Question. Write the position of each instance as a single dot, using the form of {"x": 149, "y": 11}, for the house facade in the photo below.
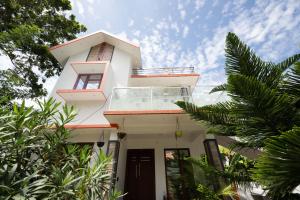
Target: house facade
{"x": 128, "y": 111}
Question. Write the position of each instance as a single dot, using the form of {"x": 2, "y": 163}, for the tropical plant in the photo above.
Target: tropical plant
{"x": 278, "y": 167}
{"x": 264, "y": 96}
{"x": 27, "y": 29}
{"x": 264, "y": 103}
{"x": 236, "y": 171}
{"x": 37, "y": 162}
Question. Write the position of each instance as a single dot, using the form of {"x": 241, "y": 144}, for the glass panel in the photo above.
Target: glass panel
{"x": 131, "y": 99}
{"x": 81, "y": 81}
{"x": 92, "y": 84}
{"x": 95, "y": 77}
{"x": 177, "y": 174}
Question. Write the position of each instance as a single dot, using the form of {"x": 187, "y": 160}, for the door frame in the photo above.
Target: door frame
{"x": 126, "y": 173}
{"x": 165, "y": 163}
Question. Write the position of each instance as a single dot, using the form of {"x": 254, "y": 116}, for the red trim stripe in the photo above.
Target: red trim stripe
{"x": 99, "y": 32}
{"x": 81, "y": 126}
{"x": 144, "y": 112}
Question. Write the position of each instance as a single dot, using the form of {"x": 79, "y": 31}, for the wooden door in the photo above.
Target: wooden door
{"x": 140, "y": 175}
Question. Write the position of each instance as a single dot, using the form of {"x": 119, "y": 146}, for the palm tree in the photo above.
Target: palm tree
{"x": 278, "y": 167}
{"x": 264, "y": 99}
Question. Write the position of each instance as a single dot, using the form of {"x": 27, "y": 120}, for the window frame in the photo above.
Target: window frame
{"x": 87, "y": 80}
{"x": 180, "y": 165}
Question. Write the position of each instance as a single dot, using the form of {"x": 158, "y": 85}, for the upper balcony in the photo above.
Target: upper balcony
{"x": 88, "y": 82}
{"x": 148, "y": 98}
{"x": 167, "y": 76}
{"x": 149, "y": 109}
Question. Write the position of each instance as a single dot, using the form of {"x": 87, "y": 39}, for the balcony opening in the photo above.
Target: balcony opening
{"x": 88, "y": 81}
{"x": 101, "y": 52}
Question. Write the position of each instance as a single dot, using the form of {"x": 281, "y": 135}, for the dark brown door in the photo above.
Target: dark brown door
{"x": 140, "y": 175}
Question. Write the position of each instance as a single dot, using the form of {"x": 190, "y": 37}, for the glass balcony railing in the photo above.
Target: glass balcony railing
{"x": 148, "y": 98}
{"x": 164, "y": 70}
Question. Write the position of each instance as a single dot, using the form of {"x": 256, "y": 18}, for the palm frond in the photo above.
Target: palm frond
{"x": 215, "y": 114}
{"x": 278, "y": 166}
{"x": 284, "y": 65}
{"x": 292, "y": 83}
{"x": 240, "y": 59}
{"x": 219, "y": 88}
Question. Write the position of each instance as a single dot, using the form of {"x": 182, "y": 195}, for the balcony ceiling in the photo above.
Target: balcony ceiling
{"x": 168, "y": 80}
{"x": 149, "y": 122}
{"x": 70, "y": 95}
{"x": 89, "y": 67}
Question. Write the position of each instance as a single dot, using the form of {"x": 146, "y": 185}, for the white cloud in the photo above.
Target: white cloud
{"x": 182, "y": 14}
{"x": 175, "y": 27}
{"x": 80, "y": 7}
{"x": 131, "y": 23}
{"x": 185, "y": 31}
{"x": 199, "y": 4}
{"x": 5, "y": 62}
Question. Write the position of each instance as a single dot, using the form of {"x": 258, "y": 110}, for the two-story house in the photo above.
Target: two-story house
{"x": 129, "y": 111}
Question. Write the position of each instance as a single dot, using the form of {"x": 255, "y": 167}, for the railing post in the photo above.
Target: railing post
{"x": 111, "y": 98}
{"x": 151, "y": 97}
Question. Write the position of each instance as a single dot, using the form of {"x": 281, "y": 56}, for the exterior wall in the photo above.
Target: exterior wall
{"x": 117, "y": 74}
{"x": 68, "y": 76}
{"x": 158, "y": 144}
{"x": 121, "y": 66}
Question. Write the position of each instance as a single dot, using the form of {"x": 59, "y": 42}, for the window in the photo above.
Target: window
{"x": 88, "y": 81}
{"x": 177, "y": 173}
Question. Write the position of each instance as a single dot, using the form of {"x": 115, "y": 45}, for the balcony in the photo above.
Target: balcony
{"x": 72, "y": 95}
{"x": 168, "y": 76}
{"x": 84, "y": 88}
{"x": 89, "y": 67}
{"x": 163, "y": 70}
{"x": 141, "y": 110}
{"x": 147, "y": 98}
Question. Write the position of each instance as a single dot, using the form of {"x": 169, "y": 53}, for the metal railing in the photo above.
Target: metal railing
{"x": 164, "y": 70}
{"x": 148, "y": 98}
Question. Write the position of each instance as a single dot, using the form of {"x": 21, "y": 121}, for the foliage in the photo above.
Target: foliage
{"x": 204, "y": 193}
{"x": 262, "y": 111}
{"x": 37, "y": 162}
{"x": 264, "y": 96}
{"x": 27, "y": 28}
{"x": 278, "y": 167}
{"x": 236, "y": 172}
{"x": 205, "y": 176}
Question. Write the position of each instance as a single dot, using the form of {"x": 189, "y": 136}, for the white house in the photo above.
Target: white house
{"x": 131, "y": 110}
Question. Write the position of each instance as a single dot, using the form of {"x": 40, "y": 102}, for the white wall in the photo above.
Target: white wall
{"x": 158, "y": 144}
{"x": 90, "y": 112}
{"x": 120, "y": 64}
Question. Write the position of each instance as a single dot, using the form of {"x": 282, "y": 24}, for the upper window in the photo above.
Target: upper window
{"x": 101, "y": 52}
{"x": 88, "y": 81}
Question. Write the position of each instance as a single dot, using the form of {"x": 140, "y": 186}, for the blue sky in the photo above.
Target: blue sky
{"x": 192, "y": 32}
{"x": 184, "y": 33}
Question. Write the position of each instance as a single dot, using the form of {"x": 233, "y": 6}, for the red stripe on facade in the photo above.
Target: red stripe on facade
{"x": 144, "y": 112}
{"x": 80, "y": 38}
{"x": 81, "y": 126}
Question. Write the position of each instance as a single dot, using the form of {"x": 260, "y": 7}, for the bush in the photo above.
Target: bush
{"x": 37, "y": 162}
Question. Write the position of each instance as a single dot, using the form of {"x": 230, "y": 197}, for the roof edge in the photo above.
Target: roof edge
{"x": 97, "y": 32}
